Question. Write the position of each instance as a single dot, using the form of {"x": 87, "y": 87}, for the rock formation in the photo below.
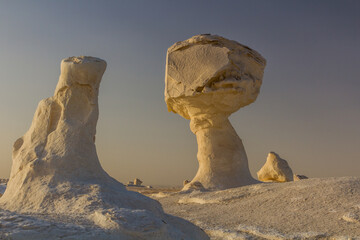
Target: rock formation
{"x": 208, "y": 78}
{"x": 275, "y": 169}
{"x": 185, "y": 182}
{"x": 137, "y": 182}
{"x": 193, "y": 185}
{"x": 56, "y": 172}
{"x": 298, "y": 177}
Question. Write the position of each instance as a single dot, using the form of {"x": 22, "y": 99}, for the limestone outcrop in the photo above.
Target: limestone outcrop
{"x": 56, "y": 172}
{"x": 208, "y": 78}
{"x": 275, "y": 169}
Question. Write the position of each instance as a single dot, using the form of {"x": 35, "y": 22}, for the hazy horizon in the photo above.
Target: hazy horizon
{"x": 308, "y": 109}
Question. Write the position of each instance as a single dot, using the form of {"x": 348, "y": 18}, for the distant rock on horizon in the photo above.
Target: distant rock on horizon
{"x": 4, "y": 180}
{"x": 275, "y": 169}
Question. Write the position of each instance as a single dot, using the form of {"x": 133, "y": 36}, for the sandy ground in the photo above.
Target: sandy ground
{"x": 326, "y": 208}
{"x": 94, "y": 221}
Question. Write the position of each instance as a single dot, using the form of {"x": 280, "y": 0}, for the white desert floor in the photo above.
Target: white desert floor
{"x": 326, "y": 208}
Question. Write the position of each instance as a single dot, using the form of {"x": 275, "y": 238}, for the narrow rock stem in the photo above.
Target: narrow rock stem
{"x": 222, "y": 158}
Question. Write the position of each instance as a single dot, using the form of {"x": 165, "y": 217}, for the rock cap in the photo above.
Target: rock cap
{"x": 211, "y": 64}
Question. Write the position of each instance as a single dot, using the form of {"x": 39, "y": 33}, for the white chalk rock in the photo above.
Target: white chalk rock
{"x": 275, "y": 169}
{"x": 56, "y": 171}
{"x": 208, "y": 78}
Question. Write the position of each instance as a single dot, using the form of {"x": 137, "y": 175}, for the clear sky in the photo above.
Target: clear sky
{"x": 308, "y": 110}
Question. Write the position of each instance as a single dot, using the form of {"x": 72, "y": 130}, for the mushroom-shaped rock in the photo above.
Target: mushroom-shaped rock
{"x": 56, "y": 172}
{"x": 208, "y": 78}
{"x": 275, "y": 169}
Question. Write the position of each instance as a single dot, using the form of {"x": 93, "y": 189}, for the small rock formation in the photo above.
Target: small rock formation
{"x": 185, "y": 182}
{"x": 137, "y": 182}
{"x": 193, "y": 186}
{"x": 298, "y": 177}
{"x": 275, "y": 169}
{"x": 208, "y": 78}
{"x": 130, "y": 183}
{"x": 2, "y": 180}
{"x": 56, "y": 172}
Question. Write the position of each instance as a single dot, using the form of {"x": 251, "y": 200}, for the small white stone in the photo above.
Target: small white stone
{"x": 275, "y": 169}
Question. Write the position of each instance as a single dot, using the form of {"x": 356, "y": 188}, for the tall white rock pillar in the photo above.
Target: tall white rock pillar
{"x": 56, "y": 173}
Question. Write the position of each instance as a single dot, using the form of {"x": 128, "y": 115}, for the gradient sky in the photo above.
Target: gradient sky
{"x": 308, "y": 110}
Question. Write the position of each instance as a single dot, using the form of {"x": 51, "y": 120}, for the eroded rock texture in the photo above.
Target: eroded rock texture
{"x": 56, "y": 171}
{"x": 208, "y": 78}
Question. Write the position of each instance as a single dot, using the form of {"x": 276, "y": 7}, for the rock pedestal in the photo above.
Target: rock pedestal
{"x": 208, "y": 78}
{"x": 56, "y": 172}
